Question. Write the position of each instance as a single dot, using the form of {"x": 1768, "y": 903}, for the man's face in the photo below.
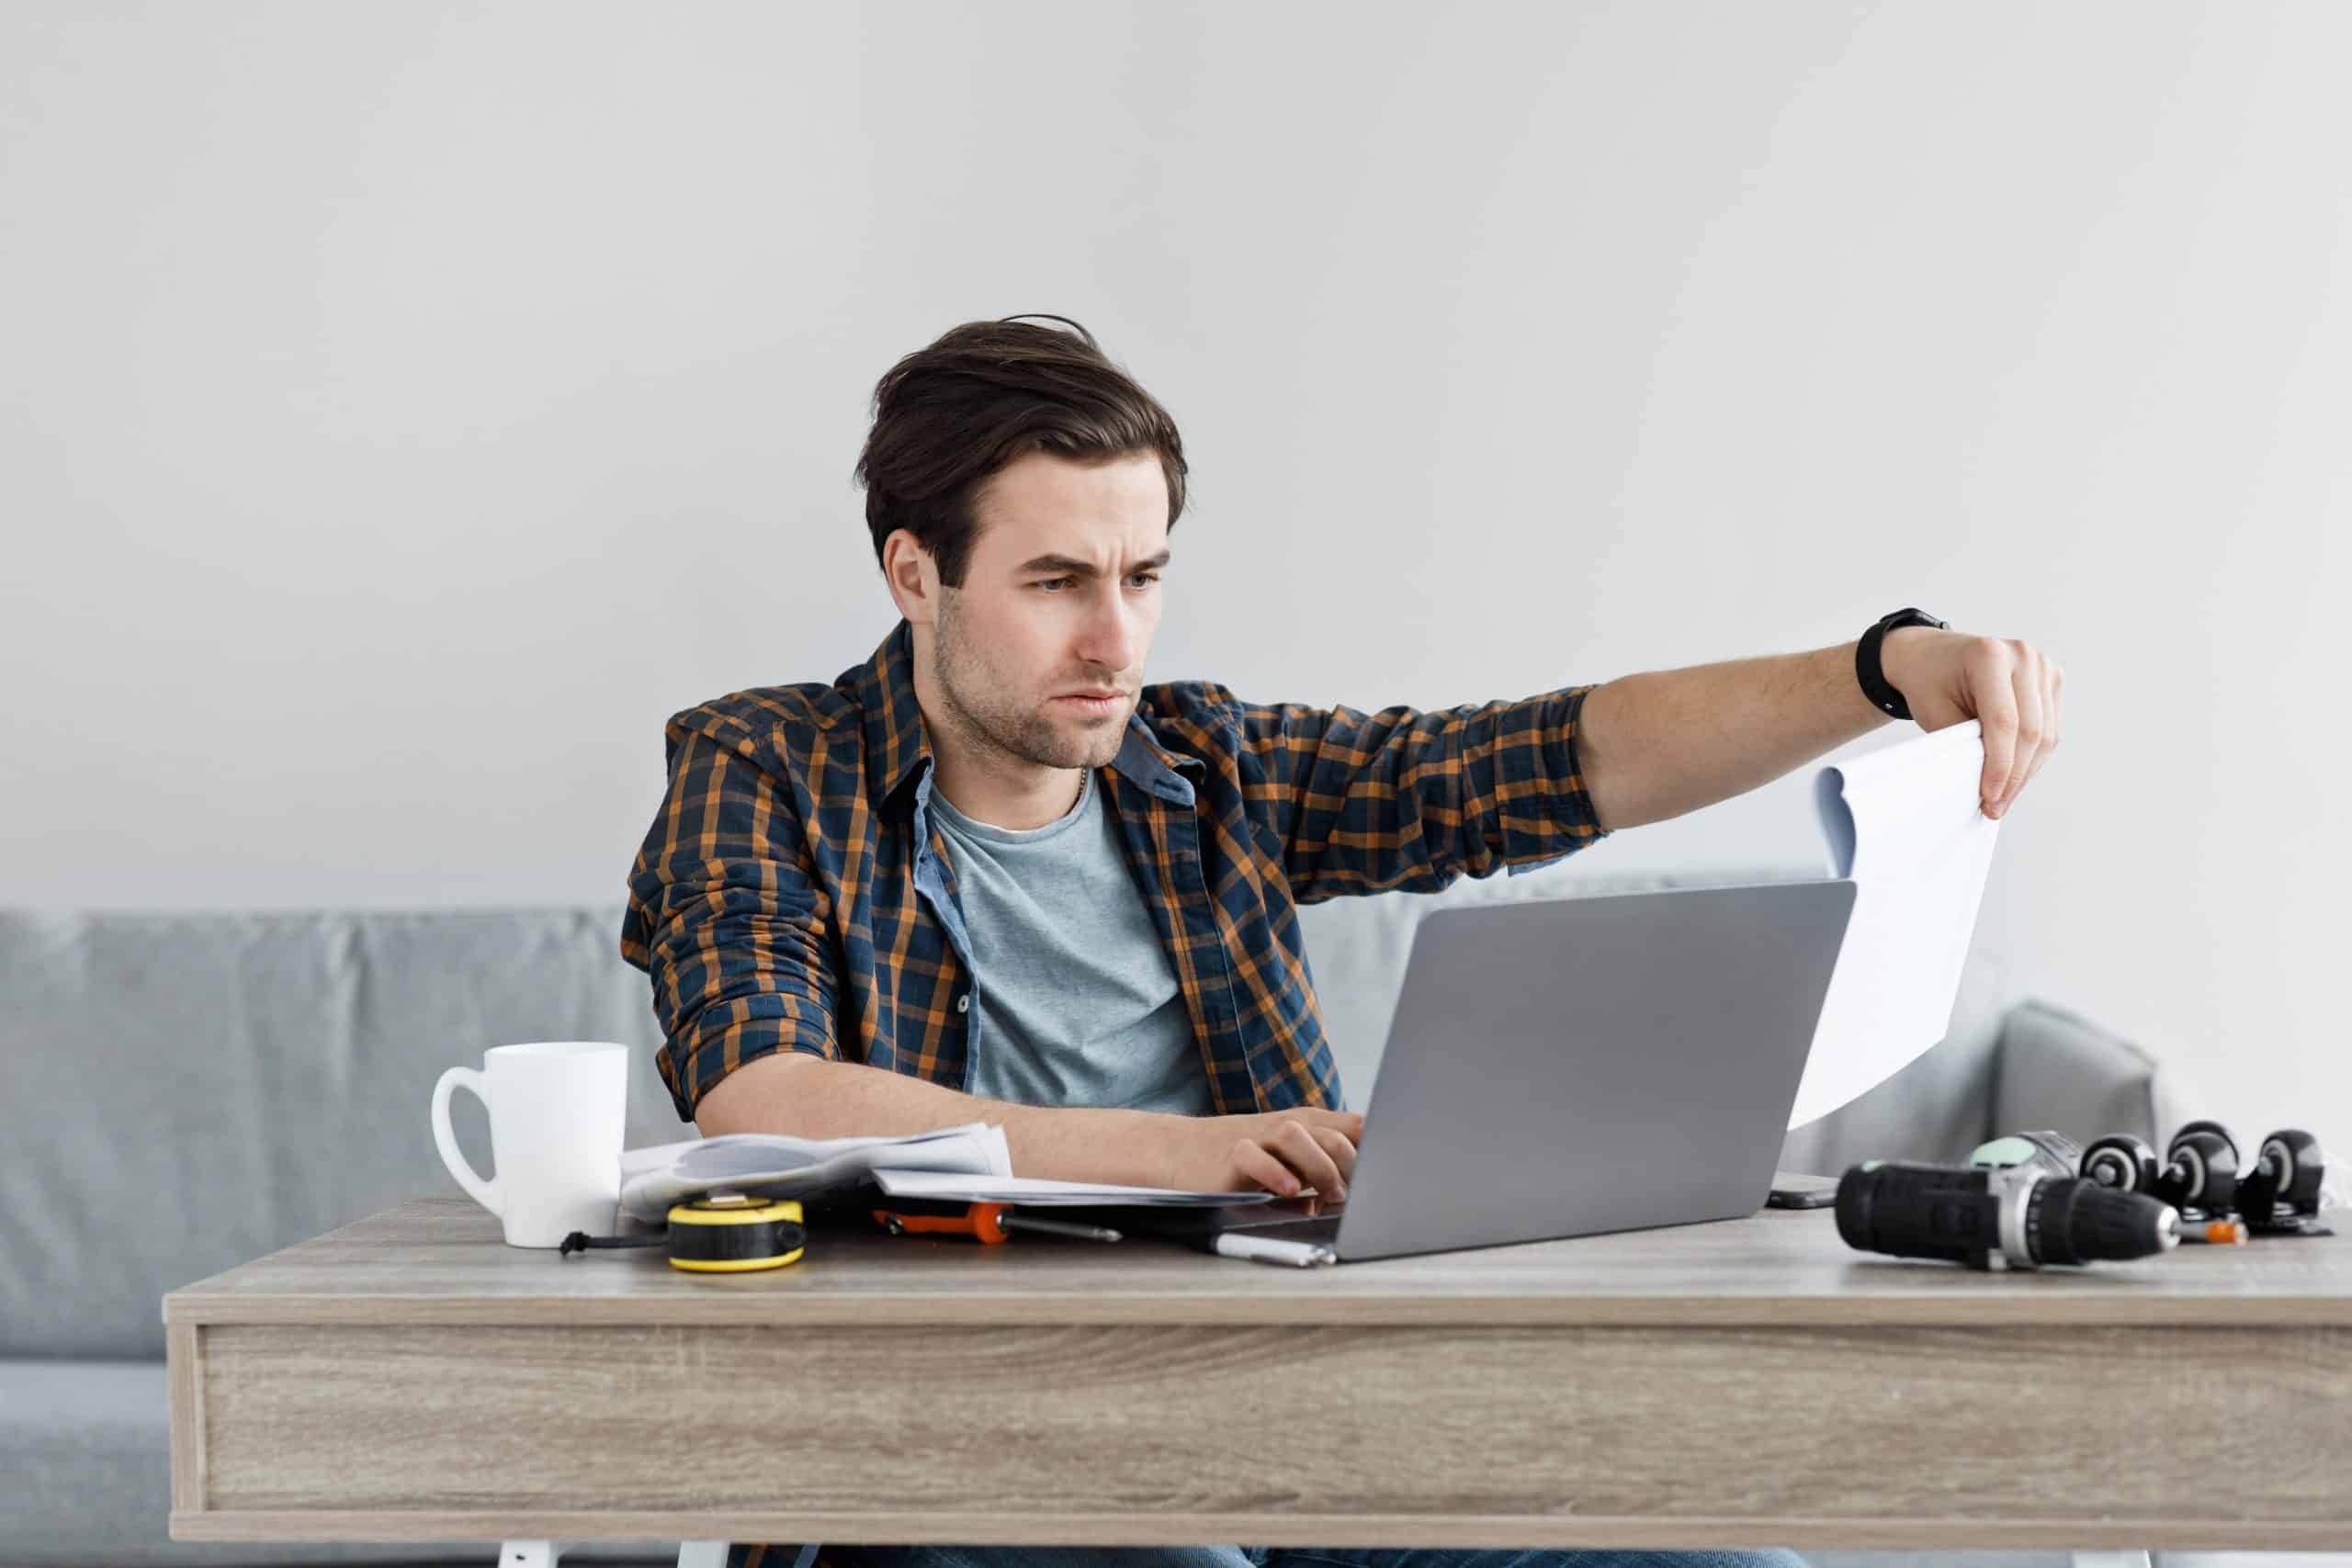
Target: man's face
{"x": 1060, "y": 595}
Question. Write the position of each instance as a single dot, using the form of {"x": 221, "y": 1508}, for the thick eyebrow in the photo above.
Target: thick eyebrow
{"x": 1076, "y": 568}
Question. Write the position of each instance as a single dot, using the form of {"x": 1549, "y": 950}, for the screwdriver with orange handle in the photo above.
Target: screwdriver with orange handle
{"x": 989, "y": 1221}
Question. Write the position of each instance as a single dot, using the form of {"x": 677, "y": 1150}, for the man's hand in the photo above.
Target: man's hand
{"x": 2014, "y": 690}
{"x": 1277, "y": 1150}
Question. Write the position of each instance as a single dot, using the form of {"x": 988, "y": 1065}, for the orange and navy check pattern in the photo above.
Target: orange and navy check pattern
{"x": 794, "y": 895}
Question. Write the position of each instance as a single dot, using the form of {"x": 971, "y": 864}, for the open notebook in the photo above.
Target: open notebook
{"x": 967, "y": 1162}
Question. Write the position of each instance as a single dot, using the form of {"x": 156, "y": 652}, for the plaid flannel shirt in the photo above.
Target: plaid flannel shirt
{"x": 793, "y": 892}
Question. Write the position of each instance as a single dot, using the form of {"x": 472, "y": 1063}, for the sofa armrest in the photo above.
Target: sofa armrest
{"x": 2056, "y": 1069}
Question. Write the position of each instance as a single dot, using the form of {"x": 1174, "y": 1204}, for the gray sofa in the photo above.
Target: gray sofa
{"x": 181, "y": 1092}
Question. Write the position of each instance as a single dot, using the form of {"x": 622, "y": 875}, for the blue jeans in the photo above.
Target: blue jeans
{"x": 1292, "y": 1557}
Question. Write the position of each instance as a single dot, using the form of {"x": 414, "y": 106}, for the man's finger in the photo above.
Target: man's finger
{"x": 1996, "y": 718}
{"x": 2025, "y": 685}
{"x": 1309, "y": 1159}
{"x": 1342, "y": 1151}
{"x": 1252, "y": 1161}
{"x": 2049, "y": 704}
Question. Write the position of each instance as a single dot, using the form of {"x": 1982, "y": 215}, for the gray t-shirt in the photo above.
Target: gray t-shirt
{"x": 1075, "y": 1001}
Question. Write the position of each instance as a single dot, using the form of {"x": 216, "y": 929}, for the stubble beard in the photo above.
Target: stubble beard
{"x": 977, "y": 698}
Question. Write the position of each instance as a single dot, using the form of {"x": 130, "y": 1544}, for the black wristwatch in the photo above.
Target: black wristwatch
{"x": 1866, "y": 669}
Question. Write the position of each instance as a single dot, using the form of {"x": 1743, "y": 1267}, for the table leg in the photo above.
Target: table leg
{"x": 529, "y": 1554}
{"x": 702, "y": 1554}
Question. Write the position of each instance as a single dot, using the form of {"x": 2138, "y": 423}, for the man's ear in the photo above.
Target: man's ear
{"x": 908, "y": 567}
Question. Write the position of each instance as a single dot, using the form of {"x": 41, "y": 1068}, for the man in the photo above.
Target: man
{"x": 990, "y": 876}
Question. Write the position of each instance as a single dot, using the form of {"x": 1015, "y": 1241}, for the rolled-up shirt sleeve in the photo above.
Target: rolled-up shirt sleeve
{"x": 1411, "y": 800}
{"x": 728, "y": 919}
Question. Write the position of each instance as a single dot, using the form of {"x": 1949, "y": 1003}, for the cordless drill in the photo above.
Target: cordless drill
{"x": 2018, "y": 1217}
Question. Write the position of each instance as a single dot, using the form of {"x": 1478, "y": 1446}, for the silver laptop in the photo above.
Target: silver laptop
{"x": 1577, "y": 1066}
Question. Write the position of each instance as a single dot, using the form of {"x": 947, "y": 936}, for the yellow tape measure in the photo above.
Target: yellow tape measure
{"x": 731, "y": 1233}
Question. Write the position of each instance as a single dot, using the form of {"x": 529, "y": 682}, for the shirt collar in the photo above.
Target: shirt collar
{"x": 898, "y": 743}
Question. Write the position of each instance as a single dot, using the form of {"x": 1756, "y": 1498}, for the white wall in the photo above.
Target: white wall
{"x": 408, "y": 406}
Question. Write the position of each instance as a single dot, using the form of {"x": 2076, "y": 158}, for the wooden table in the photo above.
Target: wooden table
{"x": 1747, "y": 1382}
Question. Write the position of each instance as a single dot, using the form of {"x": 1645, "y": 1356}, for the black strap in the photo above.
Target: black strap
{"x": 581, "y": 1240}
{"x": 1866, "y": 662}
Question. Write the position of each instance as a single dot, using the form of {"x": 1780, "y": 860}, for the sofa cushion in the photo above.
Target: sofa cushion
{"x": 181, "y": 1092}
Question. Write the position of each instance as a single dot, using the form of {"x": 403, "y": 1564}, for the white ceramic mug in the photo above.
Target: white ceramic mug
{"x": 558, "y": 1110}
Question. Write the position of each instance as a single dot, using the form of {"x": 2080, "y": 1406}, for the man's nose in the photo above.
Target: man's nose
{"x": 1111, "y": 637}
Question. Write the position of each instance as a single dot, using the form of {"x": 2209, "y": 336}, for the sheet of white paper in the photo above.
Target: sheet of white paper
{"x": 1904, "y": 824}
{"x": 1040, "y": 1192}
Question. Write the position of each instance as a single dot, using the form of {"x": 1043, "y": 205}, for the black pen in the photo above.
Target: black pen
{"x": 1057, "y": 1227}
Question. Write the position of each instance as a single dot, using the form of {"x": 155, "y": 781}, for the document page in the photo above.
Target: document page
{"x": 1904, "y": 824}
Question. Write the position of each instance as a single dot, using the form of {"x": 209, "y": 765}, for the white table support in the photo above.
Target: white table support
{"x": 548, "y": 1553}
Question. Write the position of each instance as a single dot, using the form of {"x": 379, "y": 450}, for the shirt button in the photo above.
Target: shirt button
{"x": 963, "y": 1004}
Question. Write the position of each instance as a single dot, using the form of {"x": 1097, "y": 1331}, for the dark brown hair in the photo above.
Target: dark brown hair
{"x": 948, "y": 416}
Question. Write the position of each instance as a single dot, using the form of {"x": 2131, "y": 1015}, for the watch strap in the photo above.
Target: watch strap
{"x": 1882, "y": 696}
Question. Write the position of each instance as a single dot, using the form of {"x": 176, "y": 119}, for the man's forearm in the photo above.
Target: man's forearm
{"x": 808, "y": 1096}
{"x": 1657, "y": 745}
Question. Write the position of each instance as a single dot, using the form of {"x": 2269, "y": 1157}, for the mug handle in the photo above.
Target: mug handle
{"x": 483, "y": 1192}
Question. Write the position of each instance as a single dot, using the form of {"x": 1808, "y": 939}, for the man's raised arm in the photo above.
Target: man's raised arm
{"x": 1404, "y": 800}
{"x": 1664, "y": 742}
